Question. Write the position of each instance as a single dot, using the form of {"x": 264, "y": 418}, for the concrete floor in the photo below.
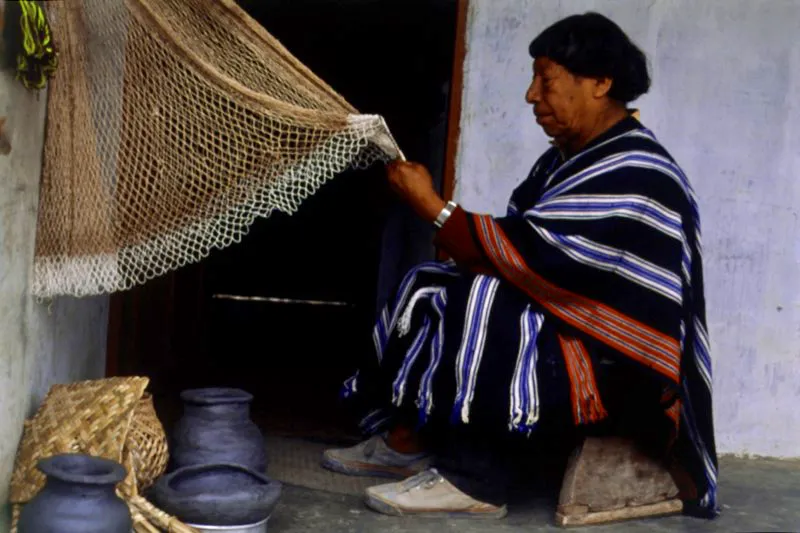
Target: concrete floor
{"x": 757, "y": 495}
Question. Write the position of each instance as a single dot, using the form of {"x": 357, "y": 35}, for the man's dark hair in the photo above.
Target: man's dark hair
{"x": 592, "y": 46}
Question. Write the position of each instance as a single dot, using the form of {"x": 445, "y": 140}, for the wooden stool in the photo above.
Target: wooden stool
{"x": 608, "y": 479}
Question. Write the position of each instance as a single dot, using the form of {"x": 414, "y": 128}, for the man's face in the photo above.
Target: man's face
{"x": 562, "y": 102}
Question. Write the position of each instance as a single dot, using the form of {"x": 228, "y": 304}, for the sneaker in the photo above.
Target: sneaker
{"x": 430, "y": 494}
{"x": 374, "y": 458}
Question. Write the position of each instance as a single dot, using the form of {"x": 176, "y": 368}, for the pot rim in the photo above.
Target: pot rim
{"x": 216, "y": 396}
{"x": 68, "y": 467}
{"x": 260, "y": 499}
{"x": 173, "y": 476}
{"x": 229, "y": 528}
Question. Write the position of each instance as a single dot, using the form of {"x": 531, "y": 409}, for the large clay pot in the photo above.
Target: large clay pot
{"x": 78, "y": 497}
{"x": 216, "y": 495}
{"x": 216, "y": 428}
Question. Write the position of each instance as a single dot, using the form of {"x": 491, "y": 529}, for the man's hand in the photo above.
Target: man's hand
{"x": 414, "y": 184}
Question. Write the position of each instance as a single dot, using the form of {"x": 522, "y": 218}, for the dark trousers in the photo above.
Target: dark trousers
{"x": 480, "y": 464}
{"x": 486, "y": 462}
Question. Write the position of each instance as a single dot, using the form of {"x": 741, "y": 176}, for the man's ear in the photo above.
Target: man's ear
{"x": 602, "y": 87}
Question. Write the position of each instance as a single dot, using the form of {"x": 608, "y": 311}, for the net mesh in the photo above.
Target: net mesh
{"x": 172, "y": 125}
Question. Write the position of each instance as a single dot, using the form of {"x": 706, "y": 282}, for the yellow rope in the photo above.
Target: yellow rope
{"x": 38, "y": 60}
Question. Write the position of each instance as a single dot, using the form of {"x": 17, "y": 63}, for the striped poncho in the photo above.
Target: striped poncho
{"x": 599, "y": 257}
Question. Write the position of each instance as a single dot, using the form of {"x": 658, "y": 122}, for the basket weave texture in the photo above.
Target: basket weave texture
{"x": 89, "y": 417}
{"x": 146, "y": 447}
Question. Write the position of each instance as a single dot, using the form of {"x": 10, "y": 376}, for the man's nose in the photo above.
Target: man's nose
{"x": 533, "y": 95}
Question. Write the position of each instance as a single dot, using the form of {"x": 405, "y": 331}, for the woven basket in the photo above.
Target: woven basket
{"x": 146, "y": 446}
{"x": 90, "y": 417}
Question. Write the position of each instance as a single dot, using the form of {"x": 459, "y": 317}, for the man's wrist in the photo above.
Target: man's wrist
{"x": 428, "y": 208}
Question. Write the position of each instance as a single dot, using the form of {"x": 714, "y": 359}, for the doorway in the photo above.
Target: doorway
{"x": 287, "y": 313}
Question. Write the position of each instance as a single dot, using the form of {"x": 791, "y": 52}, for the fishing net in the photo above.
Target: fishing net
{"x": 172, "y": 125}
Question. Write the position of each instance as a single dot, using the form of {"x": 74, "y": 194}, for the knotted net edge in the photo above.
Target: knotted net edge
{"x": 364, "y": 141}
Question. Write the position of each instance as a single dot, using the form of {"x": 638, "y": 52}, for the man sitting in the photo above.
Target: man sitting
{"x": 583, "y": 303}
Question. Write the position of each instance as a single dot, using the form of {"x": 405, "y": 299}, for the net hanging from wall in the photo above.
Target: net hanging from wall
{"x": 172, "y": 125}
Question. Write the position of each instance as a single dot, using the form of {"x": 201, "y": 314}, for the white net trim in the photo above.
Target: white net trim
{"x": 172, "y": 125}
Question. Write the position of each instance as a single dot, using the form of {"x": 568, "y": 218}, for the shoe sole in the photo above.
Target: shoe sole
{"x": 367, "y": 470}
{"x": 385, "y": 508}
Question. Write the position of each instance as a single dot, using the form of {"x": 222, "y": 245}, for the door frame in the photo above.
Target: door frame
{"x": 456, "y": 96}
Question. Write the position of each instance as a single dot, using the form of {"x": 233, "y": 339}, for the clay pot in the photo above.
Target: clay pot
{"x": 215, "y": 429}
{"x": 216, "y": 495}
{"x": 78, "y": 497}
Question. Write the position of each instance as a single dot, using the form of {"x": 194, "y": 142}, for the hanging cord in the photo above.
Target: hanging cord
{"x": 37, "y": 59}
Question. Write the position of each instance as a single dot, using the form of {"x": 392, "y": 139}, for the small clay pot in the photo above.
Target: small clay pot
{"x": 216, "y": 429}
{"x": 78, "y": 497}
{"x": 216, "y": 495}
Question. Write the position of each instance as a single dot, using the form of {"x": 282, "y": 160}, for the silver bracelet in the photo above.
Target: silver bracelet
{"x": 444, "y": 214}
